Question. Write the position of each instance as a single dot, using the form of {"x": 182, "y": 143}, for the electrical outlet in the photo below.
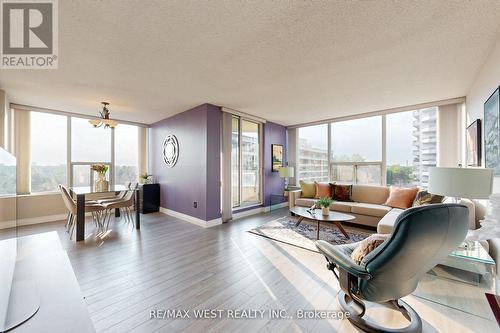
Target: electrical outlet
{"x": 195, "y": 204}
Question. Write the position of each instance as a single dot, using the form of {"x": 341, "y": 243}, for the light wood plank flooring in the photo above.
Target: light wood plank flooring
{"x": 172, "y": 264}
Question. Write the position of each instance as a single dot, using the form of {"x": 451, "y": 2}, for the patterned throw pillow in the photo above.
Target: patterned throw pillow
{"x": 367, "y": 245}
{"x": 308, "y": 189}
{"x": 323, "y": 190}
{"x": 341, "y": 192}
{"x": 425, "y": 198}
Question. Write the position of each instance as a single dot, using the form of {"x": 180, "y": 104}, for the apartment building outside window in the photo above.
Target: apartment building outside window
{"x": 357, "y": 146}
{"x": 245, "y": 163}
{"x": 313, "y": 153}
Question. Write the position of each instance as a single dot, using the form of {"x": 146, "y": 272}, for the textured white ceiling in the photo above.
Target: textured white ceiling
{"x": 287, "y": 61}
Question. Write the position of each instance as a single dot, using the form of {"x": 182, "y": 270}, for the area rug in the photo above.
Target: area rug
{"x": 284, "y": 230}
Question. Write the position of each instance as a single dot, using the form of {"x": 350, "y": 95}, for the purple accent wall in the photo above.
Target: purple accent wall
{"x": 273, "y": 184}
{"x": 196, "y": 176}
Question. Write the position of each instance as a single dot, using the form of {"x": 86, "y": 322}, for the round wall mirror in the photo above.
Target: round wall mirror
{"x": 170, "y": 150}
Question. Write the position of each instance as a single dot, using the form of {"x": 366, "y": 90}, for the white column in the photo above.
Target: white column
{"x": 22, "y": 150}
{"x": 448, "y": 136}
{"x": 292, "y": 154}
{"x": 226, "y": 202}
{"x": 143, "y": 150}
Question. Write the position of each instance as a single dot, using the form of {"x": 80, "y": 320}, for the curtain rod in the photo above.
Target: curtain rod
{"x": 66, "y": 113}
{"x": 457, "y": 100}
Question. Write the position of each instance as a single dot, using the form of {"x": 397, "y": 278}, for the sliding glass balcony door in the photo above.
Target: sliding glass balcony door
{"x": 245, "y": 163}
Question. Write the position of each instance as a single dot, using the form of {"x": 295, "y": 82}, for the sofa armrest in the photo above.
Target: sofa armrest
{"x": 471, "y": 206}
{"x": 292, "y": 196}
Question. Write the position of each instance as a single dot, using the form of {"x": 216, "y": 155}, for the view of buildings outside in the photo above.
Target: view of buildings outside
{"x": 313, "y": 153}
{"x": 249, "y": 161}
{"x": 411, "y": 147}
{"x": 356, "y": 150}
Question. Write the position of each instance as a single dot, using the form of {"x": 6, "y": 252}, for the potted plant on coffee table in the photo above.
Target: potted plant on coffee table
{"x": 324, "y": 204}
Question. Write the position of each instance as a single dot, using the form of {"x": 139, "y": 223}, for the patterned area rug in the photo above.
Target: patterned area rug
{"x": 284, "y": 230}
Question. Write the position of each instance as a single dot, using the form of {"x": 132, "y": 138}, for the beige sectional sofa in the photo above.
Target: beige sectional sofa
{"x": 368, "y": 207}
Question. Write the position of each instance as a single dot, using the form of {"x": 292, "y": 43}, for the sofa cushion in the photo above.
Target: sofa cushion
{"x": 341, "y": 192}
{"x": 341, "y": 206}
{"x": 401, "y": 197}
{"x": 370, "y": 194}
{"x": 308, "y": 189}
{"x": 424, "y": 198}
{"x": 371, "y": 209}
{"x": 386, "y": 224}
{"x": 305, "y": 202}
{"x": 323, "y": 190}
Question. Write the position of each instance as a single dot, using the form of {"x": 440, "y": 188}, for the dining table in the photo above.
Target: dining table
{"x": 80, "y": 192}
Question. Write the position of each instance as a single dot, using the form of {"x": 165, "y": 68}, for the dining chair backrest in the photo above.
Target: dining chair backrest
{"x": 133, "y": 186}
{"x": 129, "y": 196}
{"x": 127, "y": 184}
{"x": 67, "y": 199}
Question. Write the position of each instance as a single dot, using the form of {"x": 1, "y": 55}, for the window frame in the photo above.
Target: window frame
{"x": 240, "y": 165}
{"x": 70, "y": 163}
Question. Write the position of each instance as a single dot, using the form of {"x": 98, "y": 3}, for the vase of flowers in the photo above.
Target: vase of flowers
{"x": 324, "y": 204}
{"x": 146, "y": 178}
{"x": 101, "y": 184}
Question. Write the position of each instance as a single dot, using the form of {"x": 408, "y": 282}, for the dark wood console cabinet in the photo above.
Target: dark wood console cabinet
{"x": 149, "y": 198}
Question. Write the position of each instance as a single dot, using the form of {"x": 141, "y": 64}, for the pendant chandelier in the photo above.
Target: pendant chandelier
{"x": 104, "y": 120}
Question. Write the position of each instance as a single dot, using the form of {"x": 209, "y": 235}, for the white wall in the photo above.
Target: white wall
{"x": 487, "y": 80}
{"x": 449, "y": 132}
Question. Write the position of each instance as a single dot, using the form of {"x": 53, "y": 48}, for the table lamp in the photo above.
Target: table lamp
{"x": 471, "y": 183}
{"x": 286, "y": 172}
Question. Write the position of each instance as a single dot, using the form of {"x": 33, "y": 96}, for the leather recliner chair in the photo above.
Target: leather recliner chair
{"x": 422, "y": 238}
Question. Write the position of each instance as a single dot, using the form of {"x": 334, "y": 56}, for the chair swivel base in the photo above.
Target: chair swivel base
{"x": 357, "y": 320}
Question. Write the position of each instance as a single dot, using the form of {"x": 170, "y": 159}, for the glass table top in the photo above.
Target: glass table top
{"x": 90, "y": 189}
{"x": 473, "y": 251}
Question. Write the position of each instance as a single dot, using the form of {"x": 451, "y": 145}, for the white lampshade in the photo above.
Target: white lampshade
{"x": 471, "y": 183}
{"x": 286, "y": 172}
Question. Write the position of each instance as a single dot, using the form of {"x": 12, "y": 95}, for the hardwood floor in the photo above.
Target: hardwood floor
{"x": 172, "y": 264}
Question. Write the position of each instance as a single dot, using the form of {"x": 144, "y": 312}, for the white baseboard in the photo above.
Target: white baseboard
{"x": 191, "y": 219}
{"x": 257, "y": 210}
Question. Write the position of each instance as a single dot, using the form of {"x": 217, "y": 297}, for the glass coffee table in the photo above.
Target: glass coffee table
{"x": 469, "y": 263}
{"x": 315, "y": 215}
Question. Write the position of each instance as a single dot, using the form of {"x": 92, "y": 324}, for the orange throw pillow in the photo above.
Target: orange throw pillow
{"x": 401, "y": 197}
{"x": 323, "y": 190}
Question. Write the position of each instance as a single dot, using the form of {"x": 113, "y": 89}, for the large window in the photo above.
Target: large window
{"x": 126, "y": 154}
{"x": 313, "y": 153}
{"x": 411, "y": 147}
{"x": 48, "y": 151}
{"x": 245, "y": 163}
{"x": 356, "y": 147}
{"x": 89, "y": 145}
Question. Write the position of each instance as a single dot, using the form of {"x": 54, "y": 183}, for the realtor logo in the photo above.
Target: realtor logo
{"x": 29, "y": 34}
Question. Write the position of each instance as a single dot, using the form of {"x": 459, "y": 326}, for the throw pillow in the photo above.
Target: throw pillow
{"x": 341, "y": 192}
{"x": 308, "y": 189}
{"x": 367, "y": 245}
{"x": 323, "y": 190}
{"x": 401, "y": 197}
{"x": 425, "y": 198}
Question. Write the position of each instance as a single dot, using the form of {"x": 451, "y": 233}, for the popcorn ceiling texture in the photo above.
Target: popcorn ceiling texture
{"x": 287, "y": 61}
